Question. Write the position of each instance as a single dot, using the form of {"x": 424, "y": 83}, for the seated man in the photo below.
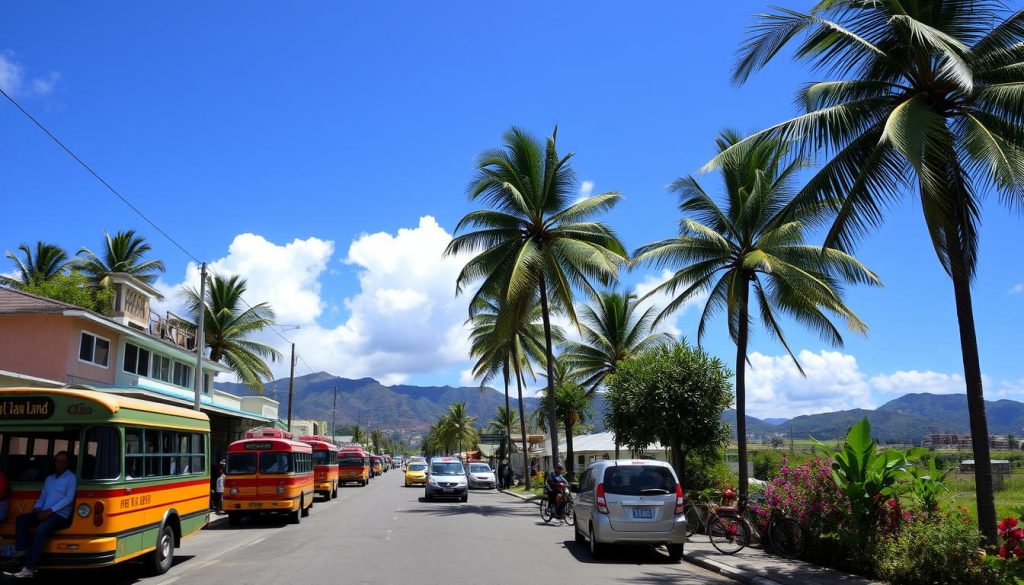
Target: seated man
{"x": 51, "y": 512}
{"x": 553, "y": 490}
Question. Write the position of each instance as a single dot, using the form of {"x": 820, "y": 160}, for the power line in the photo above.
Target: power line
{"x": 95, "y": 174}
{"x": 123, "y": 199}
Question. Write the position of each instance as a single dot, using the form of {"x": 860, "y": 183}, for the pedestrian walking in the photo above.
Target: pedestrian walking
{"x": 218, "y": 493}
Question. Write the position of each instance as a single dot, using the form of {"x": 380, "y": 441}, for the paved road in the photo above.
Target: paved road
{"x": 384, "y": 534}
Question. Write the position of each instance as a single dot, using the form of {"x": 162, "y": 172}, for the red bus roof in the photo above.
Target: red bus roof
{"x": 270, "y": 433}
{"x": 319, "y": 443}
{"x": 269, "y": 444}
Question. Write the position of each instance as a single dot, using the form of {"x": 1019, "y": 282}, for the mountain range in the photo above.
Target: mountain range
{"x": 413, "y": 409}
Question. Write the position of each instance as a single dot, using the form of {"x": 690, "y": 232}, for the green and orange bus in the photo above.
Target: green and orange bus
{"x": 353, "y": 466}
{"x": 268, "y": 472}
{"x": 142, "y": 469}
{"x": 325, "y": 465}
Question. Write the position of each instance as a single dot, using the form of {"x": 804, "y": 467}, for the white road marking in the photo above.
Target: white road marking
{"x": 388, "y": 537}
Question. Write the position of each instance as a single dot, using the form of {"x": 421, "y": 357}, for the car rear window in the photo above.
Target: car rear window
{"x": 639, "y": 480}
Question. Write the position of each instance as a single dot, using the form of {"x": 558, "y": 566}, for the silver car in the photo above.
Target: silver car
{"x": 446, "y": 478}
{"x": 630, "y": 502}
{"x": 480, "y": 475}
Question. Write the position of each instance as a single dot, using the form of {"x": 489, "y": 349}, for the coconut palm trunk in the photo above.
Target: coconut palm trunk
{"x": 741, "y": 385}
{"x": 984, "y": 493}
{"x": 508, "y": 414}
{"x": 570, "y": 467}
{"x": 550, "y": 365}
{"x": 522, "y": 426}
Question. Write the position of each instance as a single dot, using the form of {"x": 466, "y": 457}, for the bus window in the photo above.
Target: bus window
{"x": 271, "y": 462}
{"x": 241, "y": 463}
{"x": 29, "y": 455}
{"x": 321, "y": 457}
{"x": 101, "y": 458}
{"x": 198, "y": 453}
{"x": 133, "y": 457}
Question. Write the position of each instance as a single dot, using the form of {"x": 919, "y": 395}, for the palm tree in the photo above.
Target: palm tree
{"x": 929, "y": 101}
{"x": 755, "y": 241}
{"x": 611, "y": 334}
{"x": 492, "y": 353}
{"x": 513, "y": 350}
{"x": 228, "y": 323}
{"x": 358, "y": 435}
{"x": 377, "y": 439}
{"x": 33, "y": 269}
{"x": 504, "y": 418}
{"x": 534, "y": 239}
{"x": 573, "y": 405}
{"x": 122, "y": 253}
{"x": 457, "y": 425}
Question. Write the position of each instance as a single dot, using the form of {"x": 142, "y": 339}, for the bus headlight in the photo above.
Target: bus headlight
{"x": 84, "y": 510}
{"x": 234, "y": 491}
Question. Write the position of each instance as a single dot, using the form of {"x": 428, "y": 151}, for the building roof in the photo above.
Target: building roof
{"x": 599, "y": 443}
{"x": 13, "y": 301}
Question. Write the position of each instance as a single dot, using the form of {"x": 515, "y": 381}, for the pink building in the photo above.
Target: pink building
{"x": 134, "y": 352}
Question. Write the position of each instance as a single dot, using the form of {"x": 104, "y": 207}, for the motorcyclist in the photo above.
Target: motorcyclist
{"x": 553, "y": 489}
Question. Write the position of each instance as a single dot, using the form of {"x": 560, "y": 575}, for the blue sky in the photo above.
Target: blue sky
{"x": 329, "y": 131}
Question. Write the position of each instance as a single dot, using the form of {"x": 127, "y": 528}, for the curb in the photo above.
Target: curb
{"x": 731, "y": 572}
{"x": 522, "y": 497}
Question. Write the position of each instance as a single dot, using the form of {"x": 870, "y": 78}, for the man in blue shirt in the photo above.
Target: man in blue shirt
{"x": 51, "y": 512}
{"x": 553, "y": 489}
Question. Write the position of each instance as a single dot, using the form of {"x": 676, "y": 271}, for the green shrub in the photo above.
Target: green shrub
{"x": 706, "y": 470}
{"x": 768, "y": 462}
{"x": 942, "y": 549}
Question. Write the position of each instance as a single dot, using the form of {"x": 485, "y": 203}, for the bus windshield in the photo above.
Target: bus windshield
{"x": 321, "y": 457}
{"x": 241, "y": 463}
{"x": 271, "y": 462}
{"x": 349, "y": 461}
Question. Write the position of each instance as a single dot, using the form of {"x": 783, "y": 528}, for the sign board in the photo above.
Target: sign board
{"x": 26, "y": 407}
{"x": 492, "y": 438}
{"x": 258, "y": 446}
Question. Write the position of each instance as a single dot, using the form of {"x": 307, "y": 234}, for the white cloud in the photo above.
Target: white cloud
{"x": 466, "y": 378}
{"x": 13, "y": 81}
{"x": 45, "y": 85}
{"x": 586, "y": 189}
{"x": 1017, "y": 289}
{"x": 912, "y": 381}
{"x": 833, "y": 382}
{"x": 661, "y": 300}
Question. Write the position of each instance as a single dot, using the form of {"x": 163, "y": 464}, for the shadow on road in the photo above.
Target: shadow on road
{"x": 621, "y": 554}
{"x": 459, "y": 509}
{"x": 263, "y": 521}
{"x": 126, "y": 573}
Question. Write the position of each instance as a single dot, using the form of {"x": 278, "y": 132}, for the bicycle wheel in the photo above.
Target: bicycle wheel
{"x": 568, "y": 515}
{"x": 787, "y": 537}
{"x": 693, "y": 523}
{"x": 728, "y": 533}
{"x": 546, "y": 512}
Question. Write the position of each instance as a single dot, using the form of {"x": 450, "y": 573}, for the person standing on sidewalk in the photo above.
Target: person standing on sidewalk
{"x": 51, "y": 512}
{"x": 218, "y": 491}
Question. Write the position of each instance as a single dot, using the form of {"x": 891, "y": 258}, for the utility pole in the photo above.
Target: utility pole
{"x": 291, "y": 389}
{"x": 790, "y": 437}
{"x": 200, "y": 338}
{"x": 334, "y": 415}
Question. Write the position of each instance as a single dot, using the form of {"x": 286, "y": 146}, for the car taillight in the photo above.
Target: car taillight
{"x": 97, "y": 514}
{"x": 679, "y": 499}
{"x": 602, "y": 505}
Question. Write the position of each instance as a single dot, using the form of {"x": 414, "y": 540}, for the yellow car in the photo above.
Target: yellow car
{"x": 416, "y": 474}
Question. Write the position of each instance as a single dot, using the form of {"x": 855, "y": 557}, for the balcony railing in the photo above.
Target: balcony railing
{"x": 174, "y": 329}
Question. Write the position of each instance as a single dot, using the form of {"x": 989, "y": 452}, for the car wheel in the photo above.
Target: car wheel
{"x": 675, "y": 552}
{"x": 464, "y": 498}
{"x": 580, "y": 539}
{"x": 163, "y": 556}
{"x": 596, "y": 548}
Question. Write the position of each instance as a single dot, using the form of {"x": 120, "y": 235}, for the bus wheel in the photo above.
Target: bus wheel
{"x": 163, "y": 556}
{"x": 294, "y": 517}
{"x": 306, "y": 509}
{"x": 234, "y": 519}
{"x": 334, "y": 492}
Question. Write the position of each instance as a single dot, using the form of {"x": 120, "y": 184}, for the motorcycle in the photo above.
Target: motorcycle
{"x": 563, "y": 508}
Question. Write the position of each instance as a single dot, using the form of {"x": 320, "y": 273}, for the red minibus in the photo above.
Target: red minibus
{"x": 268, "y": 472}
{"x": 325, "y": 465}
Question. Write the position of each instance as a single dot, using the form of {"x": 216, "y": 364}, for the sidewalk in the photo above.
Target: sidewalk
{"x": 753, "y": 565}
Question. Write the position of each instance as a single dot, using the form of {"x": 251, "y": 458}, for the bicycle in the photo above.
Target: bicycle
{"x": 783, "y": 534}
{"x": 698, "y": 512}
{"x": 728, "y": 530}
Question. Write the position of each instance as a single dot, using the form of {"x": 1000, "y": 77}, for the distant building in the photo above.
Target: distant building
{"x": 962, "y": 442}
{"x": 134, "y": 352}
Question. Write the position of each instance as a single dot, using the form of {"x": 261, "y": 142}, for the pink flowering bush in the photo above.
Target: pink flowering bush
{"x": 808, "y": 493}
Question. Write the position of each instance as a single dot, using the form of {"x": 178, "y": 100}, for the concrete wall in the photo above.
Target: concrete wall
{"x": 46, "y": 346}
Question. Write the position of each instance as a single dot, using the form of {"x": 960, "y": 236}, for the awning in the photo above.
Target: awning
{"x": 488, "y": 450}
